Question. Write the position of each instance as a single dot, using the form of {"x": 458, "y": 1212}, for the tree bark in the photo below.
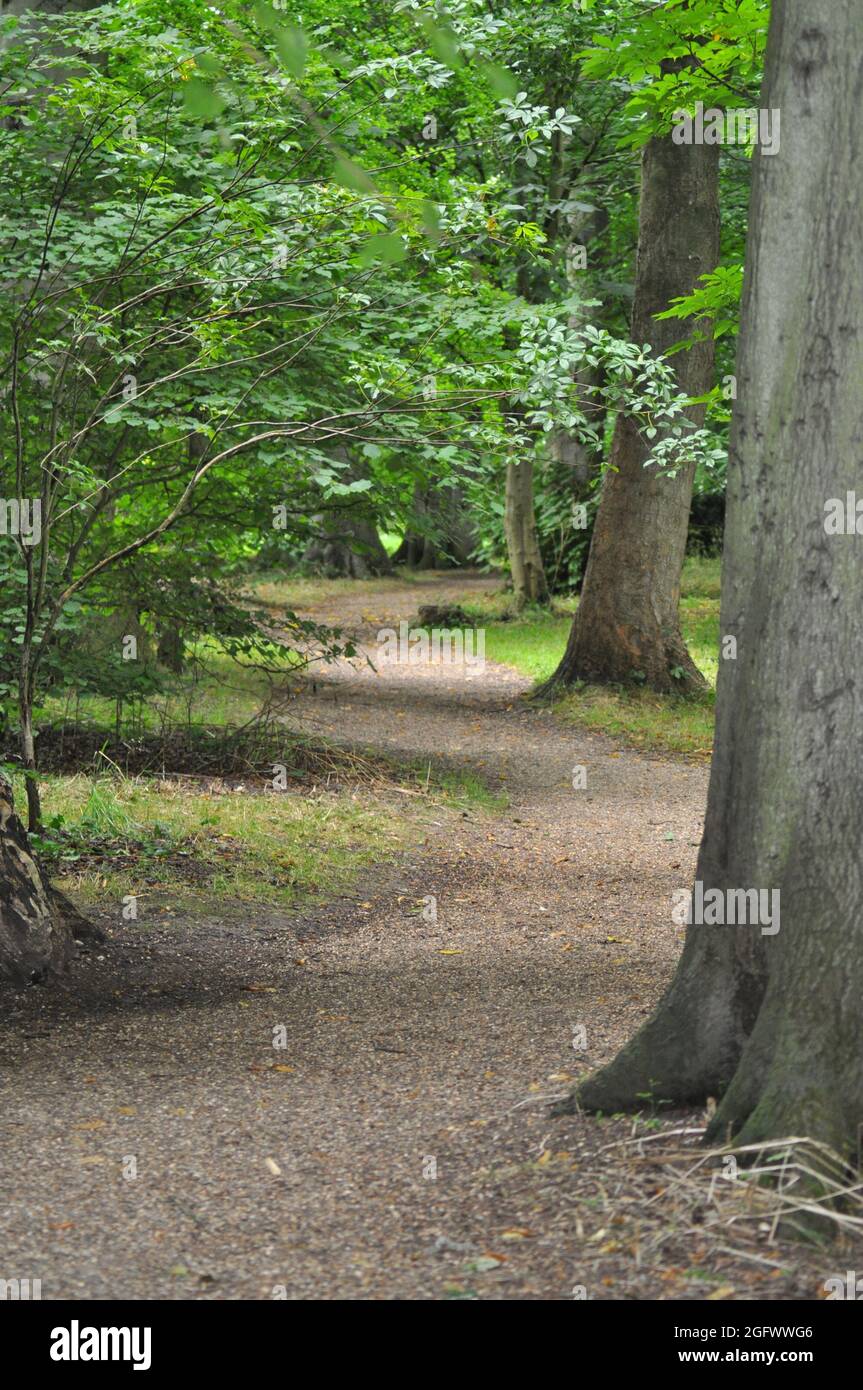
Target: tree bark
{"x": 525, "y": 560}
{"x": 627, "y": 623}
{"x": 34, "y": 936}
{"x": 774, "y": 1023}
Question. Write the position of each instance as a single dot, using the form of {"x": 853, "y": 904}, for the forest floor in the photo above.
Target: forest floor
{"x": 400, "y": 1144}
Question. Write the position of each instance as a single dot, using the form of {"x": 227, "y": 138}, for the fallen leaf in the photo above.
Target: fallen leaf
{"x": 483, "y": 1264}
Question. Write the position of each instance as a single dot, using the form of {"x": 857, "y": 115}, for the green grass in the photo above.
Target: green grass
{"x": 221, "y": 693}
{"x": 113, "y": 834}
{"x": 308, "y": 591}
{"x": 109, "y": 837}
{"x": 534, "y": 644}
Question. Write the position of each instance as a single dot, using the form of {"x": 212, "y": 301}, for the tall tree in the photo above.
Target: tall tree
{"x": 773, "y": 1022}
{"x": 627, "y": 621}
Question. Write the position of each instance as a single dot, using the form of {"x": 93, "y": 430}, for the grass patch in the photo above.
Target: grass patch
{"x": 276, "y": 847}
{"x": 113, "y": 836}
{"x": 533, "y": 646}
{"x": 535, "y": 642}
{"x": 297, "y": 591}
{"x": 216, "y": 691}
{"x": 642, "y": 719}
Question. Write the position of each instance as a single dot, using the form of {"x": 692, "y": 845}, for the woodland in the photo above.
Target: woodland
{"x": 429, "y": 539}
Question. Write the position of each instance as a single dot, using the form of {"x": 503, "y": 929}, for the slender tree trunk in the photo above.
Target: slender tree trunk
{"x": 627, "y": 622}
{"x": 28, "y": 743}
{"x": 525, "y": 560}
{"x": 171, "y": 649}
{"x": 582, "y": 458}
{"x": 774, "y": 1022}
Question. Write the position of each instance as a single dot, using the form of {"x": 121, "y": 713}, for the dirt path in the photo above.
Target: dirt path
{"x": 400, "y": 1146}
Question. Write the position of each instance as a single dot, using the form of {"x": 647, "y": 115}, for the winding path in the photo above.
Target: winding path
{"x": 401, "y": 1144}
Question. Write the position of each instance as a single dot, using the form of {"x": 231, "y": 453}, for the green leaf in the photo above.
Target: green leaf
{"x": 200, "y": 99}
{"x": 500, "y": 79}
{"x": 265, "y": 16}
{"x": 387, "y": 247}
{"x": 350, "y": 175}
{"x": 430, "y": 213}
{"x": 208, "y": 64}
{"x": 292, "y": 47}
{"x": 443, "y": 43}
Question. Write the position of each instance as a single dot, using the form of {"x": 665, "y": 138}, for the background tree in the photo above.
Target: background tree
{"x": 627, "y": 621}
{"x": 772, "y": 1023}
{"x": 627, "y": 625}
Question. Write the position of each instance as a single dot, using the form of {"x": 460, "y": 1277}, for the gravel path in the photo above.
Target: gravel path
{"x": 400, "y": 1144}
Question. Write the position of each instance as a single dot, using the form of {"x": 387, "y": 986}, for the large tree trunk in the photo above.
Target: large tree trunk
{"x": 38, "y": 923}
{"x": 525, "y": 560}
{"x": 627, "y": 621}
{"x": 774, "y": 1023}
{"x": 34, "y": 937}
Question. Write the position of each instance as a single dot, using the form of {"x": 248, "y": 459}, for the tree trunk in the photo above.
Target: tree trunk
{"x": 627, "y": 622}
{"x": 34, "y": 937}
{"x": 28, "y": 753}
{"x": 170, "y": 648}
{"x": 774, "y": 1022}
{"x": 450, "y": 539}
{"x": 525, "y": 560}
{"x": 349, "y": 546}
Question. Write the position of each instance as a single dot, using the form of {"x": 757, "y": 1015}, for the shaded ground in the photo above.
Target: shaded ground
{"x": 400, "y": 1144}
